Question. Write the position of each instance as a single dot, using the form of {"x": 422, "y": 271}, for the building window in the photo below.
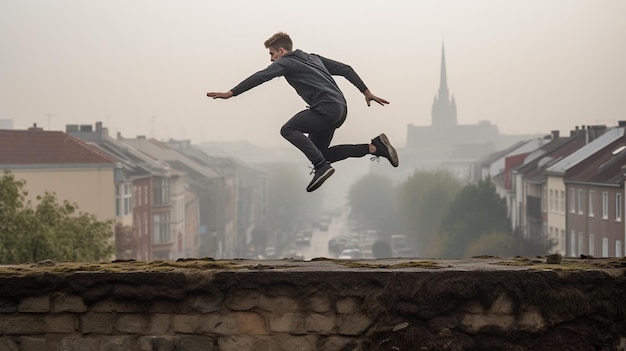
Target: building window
{"x": 551, "y": 200}
{"x": 605, "y": 205}
{"x": 145, "y": 224}
{"x": 161, "y": 228}
{"x": 139, "y": 196}
{"x": 592, "y": 244}
{"x": 605, "y": 247}
{"x": 128, "y": 199}
{"x": 118, "y": 201}
{"x": 562, "y": 202}
{"x": 618, "y": 207}
{"x": 618, "y": 248}
{"x": 161, "y": 194}
{"x": 572, "y": 200}
{"x": 572, "y": 243}
{"x": 590, "y": 203}
{"x": 580, "y": 201}
{"x": 145, "y": 195}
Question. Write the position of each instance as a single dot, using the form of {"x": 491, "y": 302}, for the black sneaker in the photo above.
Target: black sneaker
{"x": 384, "y": 149}
{"x": 322, "y": 172}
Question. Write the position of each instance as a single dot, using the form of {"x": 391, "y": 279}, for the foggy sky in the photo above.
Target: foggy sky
{"x": 144, "y": 66}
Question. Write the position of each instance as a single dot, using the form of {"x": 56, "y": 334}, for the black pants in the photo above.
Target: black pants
{"x": 320, "y": 123}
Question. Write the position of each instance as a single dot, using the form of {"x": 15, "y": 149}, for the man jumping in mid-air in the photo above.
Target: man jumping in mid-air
{"x": 311, "y": 76}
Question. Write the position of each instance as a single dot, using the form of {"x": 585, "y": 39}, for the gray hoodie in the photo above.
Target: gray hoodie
{"x": 310, "y": 74}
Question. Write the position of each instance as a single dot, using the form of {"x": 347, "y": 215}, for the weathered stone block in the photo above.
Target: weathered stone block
{"x": 159, "y": 324}
{"x": 8, "y": 305}
{"x": 206, "y": 304}
{"x": 59, "y": 323}
{"x": 116, "y": 343}
{"x": 337, "y": 343}
{"x": 187, "y": 324}
{"x": 170, "y": 307}
{"x": 348, "y": 305}
{"x": 279, "y": 304}
{"x": 323, "y": 324}
{"x": 353, "y": 324}
{"x": 502, "y": 305}
{"x": 320, "y": 304}
{"x": 250, "y": 323}
{"x": 233, "y": 323}
{"x": 249, "y": 343}
{"x": 23, "y": 325}
{"x": 32, "y": 344}
{"x": 242, "y": 300}
{"x": 132, "y": 323}
{"x": 98, "y": 323}
{"x": 8, "y": 344}
{"x": 74, "y": 343}
{"x": 197, "y": 343}
{"x": 473, "y": 323}
{"x": 289, "y": 342}
{"x": 39, "y": 304}
{"x": 112, "y": 305}
{"x": 531, "y": 320}
{"x": 160, "y": 343}
{"x": 68, "y": 303}
{"x": 287, "y": 323}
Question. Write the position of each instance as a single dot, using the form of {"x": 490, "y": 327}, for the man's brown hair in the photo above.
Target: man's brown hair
{"x": 279, "y": 40}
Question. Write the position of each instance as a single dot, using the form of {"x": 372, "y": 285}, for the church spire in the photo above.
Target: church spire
{"x": 443, "y": 78}
{"x": 444, "y": 110}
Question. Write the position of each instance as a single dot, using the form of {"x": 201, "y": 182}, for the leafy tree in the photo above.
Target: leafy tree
{"x": 372, "y": 200}
{"x": 476, "y": 219}
{"x": 423, "y": 201}
{"x": 126, "y": 246}
{"x": 531, "y": 246}
{"x": 49, "y": 230}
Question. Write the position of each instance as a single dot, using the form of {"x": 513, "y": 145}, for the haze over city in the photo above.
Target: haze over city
{"x": 144, "y": 67}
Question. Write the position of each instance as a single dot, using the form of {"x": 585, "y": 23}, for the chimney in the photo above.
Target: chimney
{"x": 70, "y": 128}
{"x": 34, "y": 128}
{"x": 555, "y": 134}
{"x": 86, "y": 128}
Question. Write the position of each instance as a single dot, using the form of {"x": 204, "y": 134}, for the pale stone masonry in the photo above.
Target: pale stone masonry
{"x": 319, "y": 306}
{"x": 248, "y": 321}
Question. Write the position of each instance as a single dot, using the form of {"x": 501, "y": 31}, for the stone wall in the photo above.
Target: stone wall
{"x": 311, "y": 308}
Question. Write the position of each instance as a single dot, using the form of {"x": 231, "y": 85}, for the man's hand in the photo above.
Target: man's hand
{"x": 226, "y": 95}
{"x": 369, "y": 97}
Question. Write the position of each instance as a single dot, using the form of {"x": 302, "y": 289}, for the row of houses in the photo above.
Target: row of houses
{"x": 169, "y": 199}
{"x": 570, "y": 190}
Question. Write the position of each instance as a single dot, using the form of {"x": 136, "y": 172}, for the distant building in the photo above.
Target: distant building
{"x": 6, "y": 123}
{"x": 447, "y": 145}
{"x": 55, "y": 162}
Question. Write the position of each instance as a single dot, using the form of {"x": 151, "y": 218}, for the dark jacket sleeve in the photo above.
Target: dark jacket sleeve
{"x": 337, "y": 68}
{"x": 272, "y": 71}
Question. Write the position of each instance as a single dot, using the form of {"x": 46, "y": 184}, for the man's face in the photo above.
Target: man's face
{"x": 275, "y": 54}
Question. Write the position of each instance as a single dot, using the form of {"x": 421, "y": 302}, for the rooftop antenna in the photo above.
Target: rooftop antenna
{"x": 49, "y": 115}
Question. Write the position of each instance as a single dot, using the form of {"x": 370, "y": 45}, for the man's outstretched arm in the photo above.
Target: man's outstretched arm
{"x": 224, "y": 95}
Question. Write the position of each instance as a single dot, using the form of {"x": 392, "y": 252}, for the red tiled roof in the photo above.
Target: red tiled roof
{"x": 26, "y": 147}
